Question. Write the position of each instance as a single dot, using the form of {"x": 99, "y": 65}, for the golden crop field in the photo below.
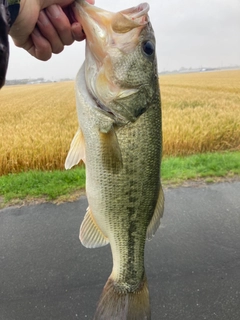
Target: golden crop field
{"x": 201, "y": 112}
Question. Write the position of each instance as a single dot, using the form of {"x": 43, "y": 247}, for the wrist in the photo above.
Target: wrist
{"x": 25, "y": 22}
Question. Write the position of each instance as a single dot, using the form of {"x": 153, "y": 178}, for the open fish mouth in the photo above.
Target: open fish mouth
{"x": 111, "y": 40}
{"x": 102, "y": 27}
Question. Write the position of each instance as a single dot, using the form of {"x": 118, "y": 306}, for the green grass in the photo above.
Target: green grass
{"x": 41, "y": 184}
{"x": 207, "y": 165}
{"x": 51, "y": 185}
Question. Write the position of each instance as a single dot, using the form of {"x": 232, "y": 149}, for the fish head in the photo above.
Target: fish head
{"x": 120, "y": 63}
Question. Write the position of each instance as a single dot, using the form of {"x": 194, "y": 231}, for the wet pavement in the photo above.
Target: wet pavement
{"x": 192, "y": 264}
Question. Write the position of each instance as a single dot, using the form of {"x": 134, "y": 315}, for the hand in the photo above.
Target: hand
{"x": 44, "y": 27}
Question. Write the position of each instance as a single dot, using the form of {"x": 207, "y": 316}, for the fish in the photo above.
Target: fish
{"x": 4, "y": 44}
{"x": 120, "y": 141}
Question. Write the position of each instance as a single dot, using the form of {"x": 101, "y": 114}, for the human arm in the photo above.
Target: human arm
{"x": 44, "y": 27}
{"x": 41, "y": 27}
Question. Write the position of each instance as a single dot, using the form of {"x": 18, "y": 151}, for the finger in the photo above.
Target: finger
{"x": 48, "y": 31}
{"x": 76, "y": 27}
{"x": 61, "y": 23}
{"x": 38, "y": 46}
{"x": 77, "y": 32}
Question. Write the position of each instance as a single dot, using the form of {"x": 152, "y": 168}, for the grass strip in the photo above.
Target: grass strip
{"x": 51, "y": 185}
{"x": 41, "y": 184}
{"x": 206, "y": 165}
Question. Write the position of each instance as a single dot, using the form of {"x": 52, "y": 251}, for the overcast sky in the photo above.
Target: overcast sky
{"x": 189, "y": 33}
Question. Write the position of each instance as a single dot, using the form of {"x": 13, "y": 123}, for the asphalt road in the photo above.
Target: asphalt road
{"x": 192, "y": 264}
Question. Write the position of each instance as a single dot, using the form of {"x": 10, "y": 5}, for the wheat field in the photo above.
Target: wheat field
{"x": 201, "y": 113}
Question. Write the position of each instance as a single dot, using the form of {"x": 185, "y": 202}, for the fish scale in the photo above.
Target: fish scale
{"x": 119, "y": 139}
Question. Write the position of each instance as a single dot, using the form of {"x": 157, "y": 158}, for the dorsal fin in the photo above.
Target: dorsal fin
{"x": 77, "y": 150}
{"x": 158, "y": 213}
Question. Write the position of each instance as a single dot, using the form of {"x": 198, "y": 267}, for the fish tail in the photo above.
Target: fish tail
{"x": 116, "y": 304}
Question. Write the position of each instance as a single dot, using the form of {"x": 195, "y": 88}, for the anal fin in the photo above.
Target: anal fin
{"x": 90, "y": 234}
{"x": 77, "y": 150}
{"x": 158, "y": 213}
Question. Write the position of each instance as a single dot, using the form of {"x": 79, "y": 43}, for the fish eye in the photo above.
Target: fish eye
{"x": 148, "y": 48}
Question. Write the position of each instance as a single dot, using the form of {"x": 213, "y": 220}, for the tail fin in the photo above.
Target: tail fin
{"x": 115, "y": 305}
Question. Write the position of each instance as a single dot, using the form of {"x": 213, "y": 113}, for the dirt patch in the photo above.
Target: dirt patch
{"x": 34, "y": 201}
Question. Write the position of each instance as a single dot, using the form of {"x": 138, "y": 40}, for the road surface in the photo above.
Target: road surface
{"x": 192, "y": 264}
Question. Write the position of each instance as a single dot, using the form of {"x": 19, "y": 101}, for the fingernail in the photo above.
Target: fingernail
{"x": 54, "y": 11}
{"x": 77, "y": 32}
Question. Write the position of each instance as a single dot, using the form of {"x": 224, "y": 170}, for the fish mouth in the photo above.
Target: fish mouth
{"x": 102, "y": 27}
{"x": 109, "y": 34}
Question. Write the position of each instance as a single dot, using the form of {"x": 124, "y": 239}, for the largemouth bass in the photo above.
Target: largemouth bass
{"x": 119, "y": 139}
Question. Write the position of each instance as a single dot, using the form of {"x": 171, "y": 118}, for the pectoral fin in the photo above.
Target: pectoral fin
{"x": 77, "y": 150}
{"x": 90, "y": 234}
{"x": 158, "y": 213}
{"x": 111, "y": 153}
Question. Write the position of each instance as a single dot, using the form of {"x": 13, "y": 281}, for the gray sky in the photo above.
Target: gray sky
{"x": 189, "y": 33}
